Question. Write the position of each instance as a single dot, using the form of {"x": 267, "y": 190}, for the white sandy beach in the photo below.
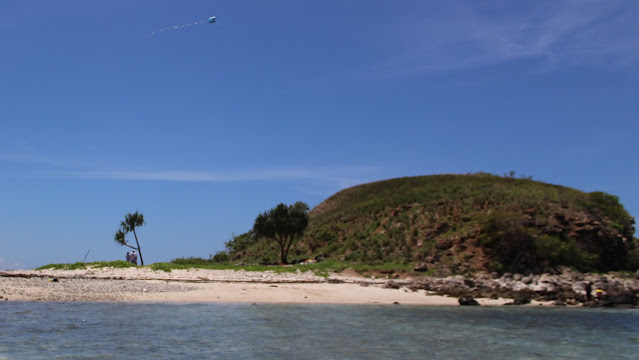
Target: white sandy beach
{"x": 198, "y": 285}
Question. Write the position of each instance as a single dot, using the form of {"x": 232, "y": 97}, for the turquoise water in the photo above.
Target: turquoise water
{"x": 32, "y": 330}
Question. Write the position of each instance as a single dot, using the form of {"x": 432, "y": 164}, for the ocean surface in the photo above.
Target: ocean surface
{"x": 47, "y": 330}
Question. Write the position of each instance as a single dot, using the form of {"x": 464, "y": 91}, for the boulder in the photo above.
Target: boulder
{"x": 622, "y": 298}
{"x": 416, "y": 285}
{"x": 391, "y": 285}
{"x": 546, "y": 296}
{"x": 590, "y": 304}
{"x": 467, "y": 301}
{"x": 520, "y": 301}
{"x": 444, "y": 244}
{"x": 421, "y": 267}
{"x": 443, "y": 272}
{"x": 559, "y": 303}
{"x": 432, "y": 258}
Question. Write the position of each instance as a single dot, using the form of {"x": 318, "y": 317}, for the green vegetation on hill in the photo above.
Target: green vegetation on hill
{"x": 320, "y": 268}
{"x": 463, "y": 223}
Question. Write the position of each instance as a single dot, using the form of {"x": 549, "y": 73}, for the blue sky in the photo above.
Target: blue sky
{"x": 203, "y": 128}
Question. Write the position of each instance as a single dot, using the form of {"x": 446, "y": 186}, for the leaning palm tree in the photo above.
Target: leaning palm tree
{"x": 131, "y": 221}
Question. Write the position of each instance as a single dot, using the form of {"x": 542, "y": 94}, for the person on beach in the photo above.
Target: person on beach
{"x": 134, "y": 258}
{"x": 588, "y": 291}
{"x": 128, "y": 257}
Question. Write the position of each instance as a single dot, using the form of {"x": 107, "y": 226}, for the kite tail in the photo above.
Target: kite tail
{"x": 175, "y": 27}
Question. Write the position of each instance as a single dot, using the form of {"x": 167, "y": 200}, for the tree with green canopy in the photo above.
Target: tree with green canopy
{"x": 284, "y": 224}
{"x": 131, "y": 221}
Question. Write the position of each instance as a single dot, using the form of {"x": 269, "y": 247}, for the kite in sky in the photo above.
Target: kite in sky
{"x": 211, "y": 20}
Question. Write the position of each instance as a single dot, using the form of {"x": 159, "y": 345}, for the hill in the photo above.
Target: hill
{"x": 457, "y": 224}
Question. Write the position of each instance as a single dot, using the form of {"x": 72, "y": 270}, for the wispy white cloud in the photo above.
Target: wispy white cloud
{"x": 65, "y": 168}
{"x": 462, "y": 35}
{"x": 344, "y": 175}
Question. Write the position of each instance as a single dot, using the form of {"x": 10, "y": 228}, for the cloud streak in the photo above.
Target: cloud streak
{"x": 461, "y": 35}
{"x": 312, "y": 179}
{"x": 330, "y": 174}
{"x": 52, "y": 167}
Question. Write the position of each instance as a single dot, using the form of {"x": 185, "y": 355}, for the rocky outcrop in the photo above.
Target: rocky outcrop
{"x": 566, "y": 287}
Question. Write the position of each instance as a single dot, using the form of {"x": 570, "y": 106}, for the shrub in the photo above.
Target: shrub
{"x": 552, "y": 251}
{"x": 241, "y": 242}
{"x": 608, "y": 205}
{"x": 190, "y": 261}
{"x": 509, "y": 242}
{"x": 220, "y": 256}
{"x": 163, "y": 266}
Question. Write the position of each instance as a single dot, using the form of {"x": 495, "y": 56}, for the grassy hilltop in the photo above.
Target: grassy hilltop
{"x": 447, "y": 224}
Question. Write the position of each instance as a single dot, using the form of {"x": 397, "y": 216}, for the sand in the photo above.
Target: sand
{"x": 197, "y": 285}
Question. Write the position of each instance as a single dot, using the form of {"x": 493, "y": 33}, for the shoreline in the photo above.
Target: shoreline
{"x": 198, "y": 285}
{"x": 143, "y": 285}
{"x": 178, "y": 292}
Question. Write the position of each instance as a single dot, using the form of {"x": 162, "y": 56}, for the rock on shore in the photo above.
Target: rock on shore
{"x": 619, "y": 290}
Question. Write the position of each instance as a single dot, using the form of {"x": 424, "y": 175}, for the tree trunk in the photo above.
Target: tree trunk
{"x": 139, "y": 250}
{"x": 281, "y": 241}
{"x": 288, "y": 246}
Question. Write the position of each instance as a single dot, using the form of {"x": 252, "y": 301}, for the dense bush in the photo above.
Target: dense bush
{"x": 609, "y": 206}
{"x": 509, "y": 242}
{"x": 241, "y": 242}
{"x": 191, "y": 261}
{"x": 517, "y": 247}
{"x": 220, "y": 257}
